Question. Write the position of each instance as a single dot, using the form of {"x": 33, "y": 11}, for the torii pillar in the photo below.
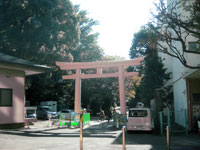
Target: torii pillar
{"x": 122, "y": 90}
{"x": 121, "y": 74}
{"x": 77, "y": 106}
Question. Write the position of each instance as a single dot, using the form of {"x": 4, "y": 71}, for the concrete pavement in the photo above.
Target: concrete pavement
{"x": 97, "y": 136}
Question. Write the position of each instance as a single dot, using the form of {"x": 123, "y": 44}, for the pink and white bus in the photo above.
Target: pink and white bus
{"x": 139, "y": 119}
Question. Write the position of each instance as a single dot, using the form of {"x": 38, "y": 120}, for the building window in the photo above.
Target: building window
{"x": 5, "y": 97}
{"x": 193, "y": 46}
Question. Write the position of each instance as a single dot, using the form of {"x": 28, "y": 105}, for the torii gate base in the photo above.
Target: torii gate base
{"x": 99, "y": 66}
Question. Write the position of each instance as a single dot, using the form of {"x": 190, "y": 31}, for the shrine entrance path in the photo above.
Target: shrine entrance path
{"x": 97, "y": 136}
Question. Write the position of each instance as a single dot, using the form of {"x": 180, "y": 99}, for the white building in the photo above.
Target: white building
{"x": 185, "y": 81}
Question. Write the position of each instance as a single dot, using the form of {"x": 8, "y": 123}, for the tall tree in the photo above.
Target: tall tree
{"x": 88, "y": 49}
{"x": 41, "y": 31}
{"x": 144, "y": 38}
{"x": 154, "y": 74}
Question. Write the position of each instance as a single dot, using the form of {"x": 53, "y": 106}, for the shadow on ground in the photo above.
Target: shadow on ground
{"x": 177, "y": 142}
{"x": 100, "y": 130}
{"x": 106, "y": 130}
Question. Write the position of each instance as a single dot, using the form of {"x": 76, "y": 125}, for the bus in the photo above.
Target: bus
{"x": 139, "y": 119}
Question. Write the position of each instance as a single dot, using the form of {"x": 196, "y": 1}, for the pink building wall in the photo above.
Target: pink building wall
{"x": 15, "y": 81}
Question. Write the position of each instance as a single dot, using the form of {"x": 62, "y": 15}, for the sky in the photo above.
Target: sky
{"x": 118, "y": 21}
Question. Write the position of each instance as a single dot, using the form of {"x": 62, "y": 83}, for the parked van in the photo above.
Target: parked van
{"x": 139, "y": 119}
{"x": 45, "y": 112}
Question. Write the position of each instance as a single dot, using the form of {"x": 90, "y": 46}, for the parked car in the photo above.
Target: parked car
{"x": 30, "y": 114}
{"x": 45, "y": 112}
{"x": 66, "y": 112}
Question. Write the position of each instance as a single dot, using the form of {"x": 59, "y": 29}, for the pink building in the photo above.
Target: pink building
{"x": 12, "y": 89}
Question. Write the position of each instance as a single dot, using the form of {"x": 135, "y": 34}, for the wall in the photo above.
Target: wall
{"x": 15, "y": 80}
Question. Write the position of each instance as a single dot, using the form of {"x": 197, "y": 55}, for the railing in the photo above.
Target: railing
{"x": 73, "y": 119}
{"x": 175, "y": 120}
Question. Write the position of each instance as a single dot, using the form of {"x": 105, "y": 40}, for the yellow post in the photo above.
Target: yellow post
{"x": 81, "y": 130}
{"x": 123, "y": 138}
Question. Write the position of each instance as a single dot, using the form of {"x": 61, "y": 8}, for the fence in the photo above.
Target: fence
{"x": 176, "y": 120}
{"x": 73, "y": 119}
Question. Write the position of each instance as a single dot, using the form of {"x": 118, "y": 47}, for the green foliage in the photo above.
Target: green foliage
{"x": 45, "y": 31}
{"x": 144, "y": 38}
{"x": 131, "y": 87}
{"x": 88, "y": 49}
{"x": 99, "y": 94}
{"x": 153, "y": 72}
{"x": 154, "y": 77}
{"x": 40, "y": 31}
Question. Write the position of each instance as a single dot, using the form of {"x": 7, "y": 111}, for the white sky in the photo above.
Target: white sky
{"x": 118, "y": 21}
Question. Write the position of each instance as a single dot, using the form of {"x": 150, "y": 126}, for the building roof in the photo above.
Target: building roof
{"x": 194, "y": 74}
{"x": 10, "y": 62}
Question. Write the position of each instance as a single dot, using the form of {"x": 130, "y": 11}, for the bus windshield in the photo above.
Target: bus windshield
{"x": 137, "y": 113}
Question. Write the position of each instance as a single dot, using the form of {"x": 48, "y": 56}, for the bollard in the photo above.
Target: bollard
{"x": 81, "y": 131}
{"x": 123, "y": 138}
{"x": 49, "y": 122}
{"x": 168, "y": 138}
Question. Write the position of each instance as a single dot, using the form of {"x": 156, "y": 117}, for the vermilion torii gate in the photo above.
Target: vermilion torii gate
{"x": 99, "y": 66}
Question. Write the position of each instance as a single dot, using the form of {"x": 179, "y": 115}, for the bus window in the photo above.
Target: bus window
{"x": 138, "y": 113}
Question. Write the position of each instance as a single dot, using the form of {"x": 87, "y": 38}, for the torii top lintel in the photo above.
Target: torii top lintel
{"x": 99, "y": 74}
{"x": 99, "y": 66}
{"x": 88, "y": 65}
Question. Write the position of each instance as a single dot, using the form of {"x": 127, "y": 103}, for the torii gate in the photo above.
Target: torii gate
{"x": 99, "y": 66}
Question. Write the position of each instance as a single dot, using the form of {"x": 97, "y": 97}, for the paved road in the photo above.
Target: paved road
{"x": 97, "y": 136}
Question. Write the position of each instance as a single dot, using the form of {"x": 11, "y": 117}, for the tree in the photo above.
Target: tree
{"x": 41, "y": 31}
{"x": 176, "y": 23}
{"x": 88, "y": 49}
{"x": 132, "y": 84}
{"x": 50, "y": 87}
{"x": 154, "y": 74}
{"x": 144, "y": 38}
{"x": 101, "y": 93}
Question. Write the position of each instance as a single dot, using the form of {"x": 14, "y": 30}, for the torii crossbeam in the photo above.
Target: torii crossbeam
{"x": 99, "y": 66}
